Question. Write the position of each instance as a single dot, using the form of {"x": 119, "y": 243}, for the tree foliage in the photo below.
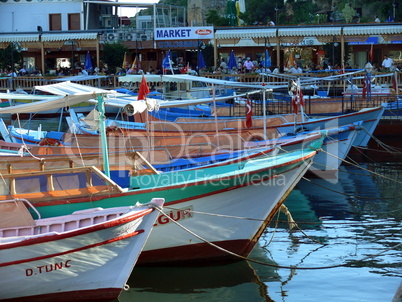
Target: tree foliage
{"x": 299, "y": 11}
{"x": 213, "y": 18}
{"x": 9, "y": 54}
{"x": 333, "y": 53}
{"x": 113, "y": 55}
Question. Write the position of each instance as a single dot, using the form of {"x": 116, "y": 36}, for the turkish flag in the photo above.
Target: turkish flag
{"x": 249, "y": 114}
{"x": 301, "y": 98}
{"x": 294, "y": 103}
{"x": 185, "y": 69}
{"x": 144, "y": 89}
{"x": 395, "y": 83}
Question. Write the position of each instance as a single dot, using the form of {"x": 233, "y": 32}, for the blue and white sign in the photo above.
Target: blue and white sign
{"x": 369, "y": 41}
{"x": 184, "y": 33}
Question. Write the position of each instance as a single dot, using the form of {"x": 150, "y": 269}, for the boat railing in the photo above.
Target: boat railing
{"x": 112, "y": 81}
{"x": 42, "y": 185}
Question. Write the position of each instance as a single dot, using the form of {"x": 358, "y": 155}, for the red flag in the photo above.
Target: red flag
{"x": 301, "y": 98}
{"x": 364, "y": 92}
{"x": 144, "y": 89}
{"x": 185, "y": 69}
{"x": 294, "y": 103}
{"x": 371, "y": 53}
{"x": 395, "y": 83}
{"x": 249, "y": 114}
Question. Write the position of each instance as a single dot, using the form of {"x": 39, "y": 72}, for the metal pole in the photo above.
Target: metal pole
{"x": 102, "y": 131}
{"x": 12, "y": 66}
{"x": 264, "y": 108}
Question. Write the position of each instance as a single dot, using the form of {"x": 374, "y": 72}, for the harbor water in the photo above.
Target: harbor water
{"x": 346, "y": 247}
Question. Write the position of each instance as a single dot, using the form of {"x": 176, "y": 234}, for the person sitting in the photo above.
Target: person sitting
{"x": 390, "y": 18}
{"x": 276, "y": 70}
{"x": 295, "y": 69}
{"x": 23, "y": 71}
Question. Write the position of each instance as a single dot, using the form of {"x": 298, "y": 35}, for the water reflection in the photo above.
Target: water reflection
{"x": 233, "y": 282}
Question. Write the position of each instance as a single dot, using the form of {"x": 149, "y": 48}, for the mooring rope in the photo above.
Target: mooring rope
{"x": 364, "y": 169}
{"x": 282, "y": 221}
{"x": 350, "y": 263}
{"x": 385, "y": 146}
{"x": 349, "y": 195}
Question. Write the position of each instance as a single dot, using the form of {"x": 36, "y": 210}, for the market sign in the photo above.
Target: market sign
{"x": 183, "y": 33}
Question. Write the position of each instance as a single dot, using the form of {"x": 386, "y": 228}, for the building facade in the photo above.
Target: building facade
{"x": 58, "y": 34}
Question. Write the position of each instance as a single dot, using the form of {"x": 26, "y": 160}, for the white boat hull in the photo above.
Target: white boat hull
{"x": 256, "y": 203}
{"x": 82, "y": 265}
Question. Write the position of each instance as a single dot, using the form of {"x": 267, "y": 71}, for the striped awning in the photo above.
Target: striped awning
{"x": 245, "y": 33}
{"x": 69, "y": 36}
{"x": 309, "y": 31}
{"x": 373, "y": 30}
{"x": 19, "y": 38}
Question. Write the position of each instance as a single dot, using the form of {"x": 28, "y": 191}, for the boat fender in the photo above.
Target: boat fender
{"x": 111, "y": 129}
{"x": 47, "y": 141}
{"x": 301, "y": 129}
{"x": 254, "y": 138}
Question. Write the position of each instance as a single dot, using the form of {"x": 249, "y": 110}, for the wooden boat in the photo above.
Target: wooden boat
{"x": 336, "y": 144}
{"x": 227, "y": 190}
{"x": 218, "y": 189}
{"x": 87, "y": 255}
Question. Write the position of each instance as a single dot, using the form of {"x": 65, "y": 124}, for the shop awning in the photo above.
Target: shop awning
{"x": 245, "y": 33}
{"x": 373, "y": 30}
{"x": 309, "y": 31}
{"x": 69, "y": 36}
{"x": 19, "y": 38}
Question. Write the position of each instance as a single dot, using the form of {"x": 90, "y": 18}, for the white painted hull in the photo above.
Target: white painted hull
{"x": 82, "y": 265}
{"x": 369, "y": 119}
{"x": 258, "y": 201}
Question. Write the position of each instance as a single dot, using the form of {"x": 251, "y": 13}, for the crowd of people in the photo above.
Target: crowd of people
{"x": 246, "y": 65}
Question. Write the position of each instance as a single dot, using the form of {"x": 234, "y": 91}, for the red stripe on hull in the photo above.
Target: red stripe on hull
{"x": 101, "y": 294}
{"x": 196, "y": 254}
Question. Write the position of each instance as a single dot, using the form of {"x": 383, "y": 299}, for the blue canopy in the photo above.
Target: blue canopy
{"x": 88, "y": 62}
{"x": 166, "y": 61}
{"x": 201, "y": 62}
{"x": 267, "y": 60}
{"x": 232, "y": 60}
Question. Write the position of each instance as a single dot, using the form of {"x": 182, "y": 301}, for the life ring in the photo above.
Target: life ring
{"x": 110, "y": 37}
{"x": 129, "y": 37}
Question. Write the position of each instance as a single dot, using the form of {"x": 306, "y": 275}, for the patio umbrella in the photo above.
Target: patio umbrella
{"x": 291, "y": 60}
{"x": 167, "y": 62}
{"x": 88, "y": 62}
{"x": 232, "y": 61}
{"x": 125, "y": 62}
{"x": 267, "y": 60}
{"x": 231, "y": 12}
{"x": 201, "y": 62}
{"x": 135, "y": 66}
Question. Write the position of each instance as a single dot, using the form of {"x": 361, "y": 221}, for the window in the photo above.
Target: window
{"x": 74, "y": 22}
{"x": 55, "y": 21}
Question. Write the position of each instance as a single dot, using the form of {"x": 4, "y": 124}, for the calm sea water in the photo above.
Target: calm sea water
{"x": 360, "y": 217}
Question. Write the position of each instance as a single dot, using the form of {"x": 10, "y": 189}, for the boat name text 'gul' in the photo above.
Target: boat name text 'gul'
{"x": 176, "y": 215}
